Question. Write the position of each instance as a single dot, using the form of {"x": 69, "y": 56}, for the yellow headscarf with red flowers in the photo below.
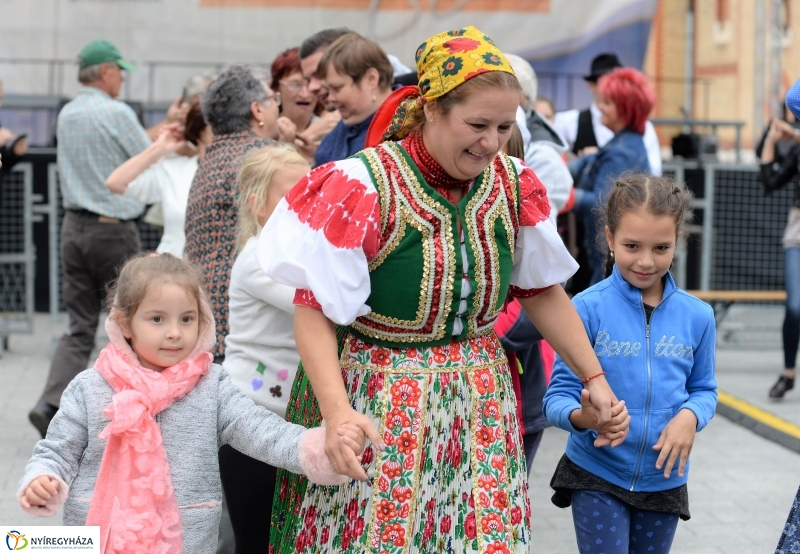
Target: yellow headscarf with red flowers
{"x": 444, "y": 62}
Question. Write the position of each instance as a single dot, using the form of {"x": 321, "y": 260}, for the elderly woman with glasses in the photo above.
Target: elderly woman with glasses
{"x": 299, "y": 124}
{"x": 411, "y": 247}
{"x": 298, "y": 105}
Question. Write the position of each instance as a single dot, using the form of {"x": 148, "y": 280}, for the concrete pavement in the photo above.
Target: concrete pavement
{"x": 741, "y": 487}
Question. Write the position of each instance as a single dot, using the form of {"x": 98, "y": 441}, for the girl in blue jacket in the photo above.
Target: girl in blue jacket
{"x": 656, "y": 345}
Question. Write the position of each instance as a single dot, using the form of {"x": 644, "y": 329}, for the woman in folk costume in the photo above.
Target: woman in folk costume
{"x": 410, "y": 247}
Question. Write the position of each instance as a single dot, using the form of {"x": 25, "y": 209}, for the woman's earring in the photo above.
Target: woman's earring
{"x": 611, "y": 253}
{"x": 431, "y": 120}
{"x": 260, "y": 123}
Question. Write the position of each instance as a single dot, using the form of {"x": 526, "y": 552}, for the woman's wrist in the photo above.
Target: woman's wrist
{"x": 334, "y": 403}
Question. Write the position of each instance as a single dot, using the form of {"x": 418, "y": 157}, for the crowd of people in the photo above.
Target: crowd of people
{"x": 349, "y": 325}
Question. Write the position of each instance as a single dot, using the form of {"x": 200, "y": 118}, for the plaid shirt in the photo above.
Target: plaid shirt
{"x": 96, "y": 134}
{"x": 211, "y": 220}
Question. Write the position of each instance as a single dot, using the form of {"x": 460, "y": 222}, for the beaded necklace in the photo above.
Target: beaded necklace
{"x": 432, "y": 172}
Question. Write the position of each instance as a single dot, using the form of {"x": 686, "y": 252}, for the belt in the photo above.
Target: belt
{"x": 97, "y": 217}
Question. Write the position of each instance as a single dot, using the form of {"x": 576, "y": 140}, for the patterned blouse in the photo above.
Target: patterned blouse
{"x": 211, "y": 220}
{"x": 331, "y": 235}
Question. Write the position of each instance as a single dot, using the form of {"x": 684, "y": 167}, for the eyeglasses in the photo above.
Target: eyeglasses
{"x": 295, "y": 86}
{"x": 273, "y": 97}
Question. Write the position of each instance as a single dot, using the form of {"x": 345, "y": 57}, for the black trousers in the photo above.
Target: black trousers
{"x": 91, "y": 255}
{"x": 249, "y": 486}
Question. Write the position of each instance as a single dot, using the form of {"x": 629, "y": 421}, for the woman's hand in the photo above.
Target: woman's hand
{"x": 41, "y": 489}
{"x": 170, "y": 138}
{"x": 676, "y": 439}
{"x": 20, "y": 147}
{"x": 177, "y": 111}
{"x": 340, "y": 445}
{"x": 287, "y": 130}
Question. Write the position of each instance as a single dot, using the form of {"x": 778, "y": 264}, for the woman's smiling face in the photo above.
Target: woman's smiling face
{"x": 297, "y": 103}
{"x": 465, "y": 140}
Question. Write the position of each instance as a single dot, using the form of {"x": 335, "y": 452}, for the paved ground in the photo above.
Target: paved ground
{"x": 741, "y": 488}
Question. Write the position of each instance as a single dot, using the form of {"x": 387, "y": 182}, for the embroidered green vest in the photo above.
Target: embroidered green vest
{"x": 416, "y": 276}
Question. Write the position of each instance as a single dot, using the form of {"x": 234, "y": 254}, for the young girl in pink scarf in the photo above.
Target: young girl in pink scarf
{"x": 133, "y": 448}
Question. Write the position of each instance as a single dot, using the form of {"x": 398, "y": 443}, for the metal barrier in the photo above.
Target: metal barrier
{"x": 735, "y": 242}
{"x": 17, "y": 253}
{"x": 30, "y": 222}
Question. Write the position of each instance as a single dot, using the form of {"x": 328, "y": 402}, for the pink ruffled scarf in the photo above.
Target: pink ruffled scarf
{"x": 134, "y": 502}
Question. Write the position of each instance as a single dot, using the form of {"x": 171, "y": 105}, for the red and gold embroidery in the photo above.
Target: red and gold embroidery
{"x": 404, "y": 203}
{"x": 497, "y": 198}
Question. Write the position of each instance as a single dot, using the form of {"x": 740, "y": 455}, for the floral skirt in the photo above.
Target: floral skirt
{"x": 452, "y": 478}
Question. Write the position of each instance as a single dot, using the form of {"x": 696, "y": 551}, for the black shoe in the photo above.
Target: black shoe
{"x": 41, "y": 415}
{"x": 784, "y": 383}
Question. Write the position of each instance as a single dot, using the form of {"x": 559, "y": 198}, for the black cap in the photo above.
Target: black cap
{"x": 602, "y": 64}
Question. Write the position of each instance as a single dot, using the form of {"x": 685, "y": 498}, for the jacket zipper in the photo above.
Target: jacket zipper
{"x": 649, "y": 386}
{"x": 647, "y": 402}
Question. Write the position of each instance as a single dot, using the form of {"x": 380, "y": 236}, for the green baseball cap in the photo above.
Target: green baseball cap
{"x": 102, "y": 51}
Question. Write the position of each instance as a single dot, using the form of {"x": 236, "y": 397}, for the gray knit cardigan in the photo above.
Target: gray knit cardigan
{"x": 214, "y": 413}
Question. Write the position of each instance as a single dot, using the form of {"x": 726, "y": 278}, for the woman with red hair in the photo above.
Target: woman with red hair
{"x": 298, "y": 123}
{"x": 625, "y": 99}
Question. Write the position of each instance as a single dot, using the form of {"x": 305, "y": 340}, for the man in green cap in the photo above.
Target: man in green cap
{"x": 100, "y": 229}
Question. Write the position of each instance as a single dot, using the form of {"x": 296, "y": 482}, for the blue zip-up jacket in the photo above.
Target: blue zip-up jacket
{"x": 658, "y": 369}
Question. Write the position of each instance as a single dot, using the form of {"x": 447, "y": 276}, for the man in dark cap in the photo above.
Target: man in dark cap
{"x": 582, "y": 128}
{"x": 96, "y": 133}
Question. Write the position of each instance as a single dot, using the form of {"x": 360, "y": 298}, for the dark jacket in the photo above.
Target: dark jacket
{"x": 541, "y": 130}
{"x": 776, "y": 174}
{"x": 342, "y": 142}
{"x": 9, "y": 159}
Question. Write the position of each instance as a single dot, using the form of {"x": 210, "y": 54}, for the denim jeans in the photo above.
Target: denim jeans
{"x": 91, "y": 254}
{"x": 791, "y": 322}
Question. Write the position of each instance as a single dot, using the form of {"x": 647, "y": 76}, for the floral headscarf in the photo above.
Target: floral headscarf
{"x": 444, "y": 62}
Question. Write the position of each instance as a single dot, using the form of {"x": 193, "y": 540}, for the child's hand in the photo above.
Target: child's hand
{"x": 676, "y": 440}
{"x": 353, "y": 437}
{"x": 587, "y": 417}
{"x": 39, "y": 492}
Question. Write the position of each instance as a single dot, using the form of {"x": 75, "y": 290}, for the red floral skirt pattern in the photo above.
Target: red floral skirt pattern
{"x": 452, "y": 478}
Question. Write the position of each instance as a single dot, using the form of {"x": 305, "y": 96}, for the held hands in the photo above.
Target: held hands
{"x": 609, "y": 414}
{"x": 676, "y": 439}
{"x": 611, "y": 432}
{"x": 346, "y": 432}
{"x": 39, "y": 492}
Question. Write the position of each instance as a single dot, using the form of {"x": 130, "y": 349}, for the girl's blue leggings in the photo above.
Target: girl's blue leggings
{"x": 604, "y": 524}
